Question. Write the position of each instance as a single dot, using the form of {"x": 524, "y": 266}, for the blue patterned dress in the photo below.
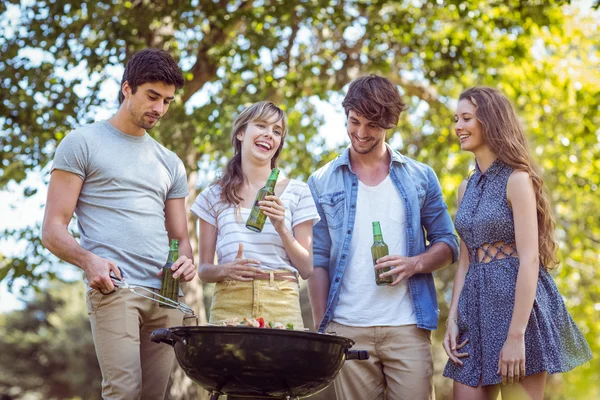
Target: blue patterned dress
{"x": 553, "y": 343}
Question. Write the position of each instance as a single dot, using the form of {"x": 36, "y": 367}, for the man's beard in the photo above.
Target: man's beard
{"x": 138, "y": 119}
{"x": 367, "y": 150}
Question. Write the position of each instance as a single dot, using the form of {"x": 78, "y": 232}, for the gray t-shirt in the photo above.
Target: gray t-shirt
{"x": 121, "y": 207}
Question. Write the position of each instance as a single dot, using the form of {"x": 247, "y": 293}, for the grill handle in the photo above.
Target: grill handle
{"x": 357, "y": 355}
{"x": 164, "y": 335}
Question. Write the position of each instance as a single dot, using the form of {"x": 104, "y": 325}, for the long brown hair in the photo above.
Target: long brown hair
{"x": 504, "y": 135}
{"x": 233, "y": 178}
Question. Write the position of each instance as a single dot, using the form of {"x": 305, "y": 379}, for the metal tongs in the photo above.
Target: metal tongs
{"x": 152, "y": 295}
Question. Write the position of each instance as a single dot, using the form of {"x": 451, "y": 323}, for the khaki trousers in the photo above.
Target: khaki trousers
{"x": 132, "y": 366}
{"x": 400, "y": 366}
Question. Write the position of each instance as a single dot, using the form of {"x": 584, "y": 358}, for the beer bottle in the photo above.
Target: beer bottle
{"x": 378, "y": 250}
{"x": 170, "y": 285}
{"x": 256, "y": 220}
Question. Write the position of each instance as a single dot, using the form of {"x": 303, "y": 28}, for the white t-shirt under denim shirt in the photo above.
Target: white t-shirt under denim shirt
{"x": 265, "y": 246}
{"x": 361, "y": 301}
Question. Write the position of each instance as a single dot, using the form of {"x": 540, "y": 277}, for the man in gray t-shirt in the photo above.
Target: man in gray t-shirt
{"x": 128, "y": 192}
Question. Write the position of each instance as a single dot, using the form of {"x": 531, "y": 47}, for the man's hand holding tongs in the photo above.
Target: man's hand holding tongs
{"x": 98, "y": 272}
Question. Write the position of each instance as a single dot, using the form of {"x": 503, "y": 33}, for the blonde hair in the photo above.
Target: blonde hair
{"x": 232, "y": 179}
{"x": 504, "y": 135}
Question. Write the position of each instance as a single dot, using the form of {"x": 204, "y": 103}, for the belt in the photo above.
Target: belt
{"x": 276, "y": 276}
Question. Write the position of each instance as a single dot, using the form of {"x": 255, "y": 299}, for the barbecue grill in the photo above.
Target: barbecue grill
{"x": 258, "y": 363}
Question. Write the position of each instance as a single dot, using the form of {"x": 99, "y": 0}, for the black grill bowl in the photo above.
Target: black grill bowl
{"x": 258, "y": 362}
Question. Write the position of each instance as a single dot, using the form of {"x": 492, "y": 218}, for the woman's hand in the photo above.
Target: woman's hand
{"x": 511, "y": 364}
{"x": 240, "y": 269}
{"x": 449, "y": 342}
{"x": 273, "y": 208}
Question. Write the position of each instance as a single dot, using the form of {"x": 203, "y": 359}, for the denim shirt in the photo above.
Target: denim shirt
{"x": 335, "y": 189}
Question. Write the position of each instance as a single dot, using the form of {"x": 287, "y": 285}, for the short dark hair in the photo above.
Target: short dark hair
{"x": 151, "y": 65}
{"x": 375, "y": 98}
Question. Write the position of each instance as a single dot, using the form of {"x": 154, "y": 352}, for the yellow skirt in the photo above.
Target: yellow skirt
{"x": 275, "y": 301}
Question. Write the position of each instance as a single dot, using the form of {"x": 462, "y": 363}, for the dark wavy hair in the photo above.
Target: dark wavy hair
{"x": 502, "y": 132}
{"x": 375, "y": 98}
{"x": 151, "y": 65}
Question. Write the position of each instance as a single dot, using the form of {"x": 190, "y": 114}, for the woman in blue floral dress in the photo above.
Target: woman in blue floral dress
{"x": 507, "y": 322}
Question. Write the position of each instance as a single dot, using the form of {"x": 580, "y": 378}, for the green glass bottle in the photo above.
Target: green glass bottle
{"x": 256, "y": 220}
{"x": 378, "y": 250}
{"x": 170, "y": 285}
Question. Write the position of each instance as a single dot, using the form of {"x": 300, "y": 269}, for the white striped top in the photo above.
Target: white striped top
{"x": 265, "y": 246}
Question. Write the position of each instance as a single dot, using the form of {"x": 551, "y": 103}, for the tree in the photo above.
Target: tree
{"x": 237, "y": 52}
{"x": 47, "y": 348}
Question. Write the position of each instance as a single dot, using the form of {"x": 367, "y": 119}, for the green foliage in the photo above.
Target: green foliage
{"x": 47, "y": 347}
{"x": 543, "y": 55}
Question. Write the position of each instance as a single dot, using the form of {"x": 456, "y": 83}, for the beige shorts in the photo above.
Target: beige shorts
{"x": 275, "y": 301}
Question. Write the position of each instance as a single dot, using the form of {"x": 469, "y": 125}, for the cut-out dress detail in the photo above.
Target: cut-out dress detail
{"x": 488, "y": 252}
{"x": 553, "y": 343}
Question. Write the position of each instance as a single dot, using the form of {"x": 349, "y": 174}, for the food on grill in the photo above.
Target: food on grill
{"x": 253, "y": 322}
{"x": 230, "y": 322}
{"x": 256, "y": 323}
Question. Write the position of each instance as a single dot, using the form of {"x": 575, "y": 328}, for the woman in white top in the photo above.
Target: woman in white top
{"x": 256, "y": 273}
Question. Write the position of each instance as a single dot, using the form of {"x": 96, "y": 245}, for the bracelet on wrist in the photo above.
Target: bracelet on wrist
{"x": 455, "y": 319}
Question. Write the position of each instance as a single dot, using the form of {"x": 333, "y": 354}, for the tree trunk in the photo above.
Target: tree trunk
{"x": 180, "y": 386}
{"x": 328, "y": 393}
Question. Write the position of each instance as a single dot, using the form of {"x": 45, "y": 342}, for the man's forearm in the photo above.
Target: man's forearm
{"x": 63, "y": 245}
{"x": 185, "y": 249}
{"x": 437, "y": 256}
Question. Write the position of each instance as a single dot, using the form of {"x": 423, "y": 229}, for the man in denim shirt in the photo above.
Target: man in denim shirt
{"x": 371, "y": 182}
